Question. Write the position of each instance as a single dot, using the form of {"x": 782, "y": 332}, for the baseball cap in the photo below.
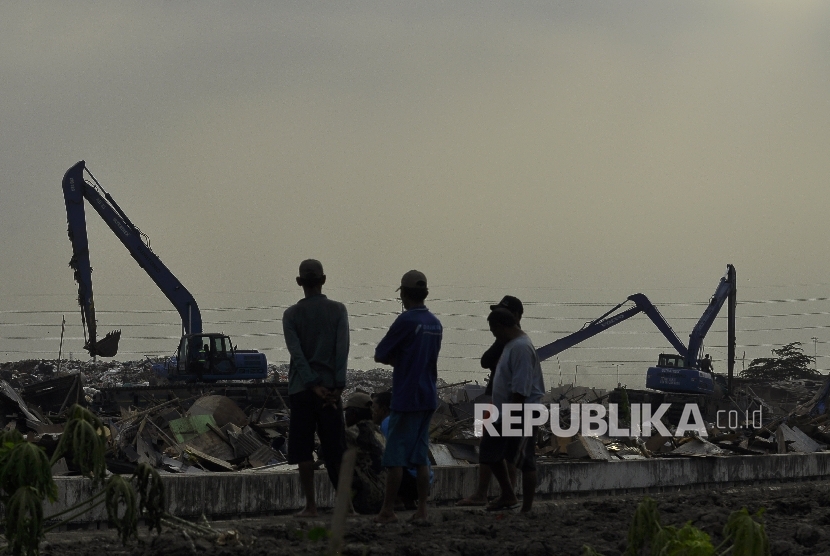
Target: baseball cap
{"x": 311, "y": 269}
{"x": 359, "y": 400}
{"x": 510, "y": 303}
{"x": 413, "y": 279}
{"x": 502, "y": 317}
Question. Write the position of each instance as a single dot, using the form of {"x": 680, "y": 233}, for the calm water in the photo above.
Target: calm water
{"x": 31, "y": 327}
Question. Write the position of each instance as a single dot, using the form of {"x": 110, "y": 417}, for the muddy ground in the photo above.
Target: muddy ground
{"x": 796, "y": 520}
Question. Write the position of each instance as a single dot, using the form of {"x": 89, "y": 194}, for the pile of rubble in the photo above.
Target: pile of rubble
{"x": 202, "y": 430}
{"x": 205, "y": 432}
{"x": 759, "y": 418}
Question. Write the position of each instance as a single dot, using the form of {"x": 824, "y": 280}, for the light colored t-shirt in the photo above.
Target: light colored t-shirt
{"x": 518, "y": 372}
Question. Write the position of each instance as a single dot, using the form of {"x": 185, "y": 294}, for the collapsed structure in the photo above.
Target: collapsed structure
{"x": 220, "y": 428}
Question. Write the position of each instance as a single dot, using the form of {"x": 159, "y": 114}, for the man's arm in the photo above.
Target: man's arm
{"x": 387, "y": 350}
{"x": 341, "y": 353}
{"x": 490, "y": 358}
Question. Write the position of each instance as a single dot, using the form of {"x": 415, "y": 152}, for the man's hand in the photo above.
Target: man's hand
{"x": 515, "y": 397}
{"x": 321, "y": 391}
{"x": 333, "y": 399}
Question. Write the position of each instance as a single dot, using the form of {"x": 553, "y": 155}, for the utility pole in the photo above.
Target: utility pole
{"x": 60, "y": 348}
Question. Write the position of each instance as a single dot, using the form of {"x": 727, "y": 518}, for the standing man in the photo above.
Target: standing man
{"x": 489, "y": 361}
{"x": 411, "y": 346}
{"x": 317, "y": 337}
{"x": 518, "y": 380}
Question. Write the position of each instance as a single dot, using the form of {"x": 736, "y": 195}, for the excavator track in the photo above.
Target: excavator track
{"x": 271, "y": 395}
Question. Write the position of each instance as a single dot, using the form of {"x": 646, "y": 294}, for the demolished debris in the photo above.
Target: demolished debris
{"x": 221, "y": 428}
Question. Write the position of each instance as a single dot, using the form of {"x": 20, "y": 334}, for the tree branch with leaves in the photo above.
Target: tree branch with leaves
{"x": 789, "y": 362}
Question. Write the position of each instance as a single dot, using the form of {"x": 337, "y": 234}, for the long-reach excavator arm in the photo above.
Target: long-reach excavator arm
{"x": 687, "y": 375}
{"x": 606, "y": 321}
{"x": 75, "y": 190}
{"x": 726, "y": 290}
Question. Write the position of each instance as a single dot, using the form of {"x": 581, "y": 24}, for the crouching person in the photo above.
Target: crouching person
{"x": 364, "y": 436}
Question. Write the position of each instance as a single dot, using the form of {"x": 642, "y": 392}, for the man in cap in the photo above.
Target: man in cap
{"x": 489, "y": 360}
{"x": 518, "y": 380}
{"x": 316, "y": 333}
{"x": 411, "y": 346}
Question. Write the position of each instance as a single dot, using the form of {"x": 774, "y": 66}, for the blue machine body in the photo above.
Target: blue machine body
{"x": 674, "y": 372}
{"x": 670, "y": 375}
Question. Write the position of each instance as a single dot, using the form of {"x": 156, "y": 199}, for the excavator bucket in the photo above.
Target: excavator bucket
{"x": 106, "y": 346}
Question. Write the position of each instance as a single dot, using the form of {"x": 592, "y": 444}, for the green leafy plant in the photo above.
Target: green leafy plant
{"x": 153, "y": 500}
{"x": 83, "y": 440}
{"x": 9, "y": 439}
{"x": 686, "y": 541}
{"x": 26, "y": 465}
{"x": 24, "y": 521}
{"x": 26, "y": 482}
{"x": 314, "y": 534}
{"x": 644, "y": 526}
{"x": 318, "y": 534}
{"x": 121, "y": 507}
{"x": 748, "y": 536}
{"x": 744, "y": 535}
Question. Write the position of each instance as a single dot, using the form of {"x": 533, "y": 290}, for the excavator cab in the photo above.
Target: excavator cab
{"x": 211, "y": 357}
{"x": 670, "y": 360}
{"x": 672, "y": 375}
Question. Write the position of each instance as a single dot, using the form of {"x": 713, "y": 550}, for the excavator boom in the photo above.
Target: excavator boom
{"x": 606, "y": 321}
{"x": 201, "y": 357}
{"x": 75, "y": 190}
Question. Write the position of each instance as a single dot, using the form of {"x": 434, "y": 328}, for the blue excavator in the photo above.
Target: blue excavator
{"x": 200, "y": 357}
{"x": 688, "y": 372}
{"x": 676, "y": 373}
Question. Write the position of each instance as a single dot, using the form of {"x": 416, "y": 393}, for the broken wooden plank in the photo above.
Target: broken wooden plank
{"x": 209, "y": 459}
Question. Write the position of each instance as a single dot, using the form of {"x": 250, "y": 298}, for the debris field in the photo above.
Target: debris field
{"x": 219, "y": 428}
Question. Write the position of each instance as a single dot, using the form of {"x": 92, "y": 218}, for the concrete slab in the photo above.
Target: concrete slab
{"x": 229, "y": 495}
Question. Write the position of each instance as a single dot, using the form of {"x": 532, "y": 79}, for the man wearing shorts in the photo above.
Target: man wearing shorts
{"x": 317, "y": 337}
{"x": 411, "y": 346}
{"x": 489, "y": 360}
{"x": 518, "y": 379}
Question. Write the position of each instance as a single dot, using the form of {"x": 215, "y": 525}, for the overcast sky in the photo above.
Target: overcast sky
{"x": 588, "y": 149}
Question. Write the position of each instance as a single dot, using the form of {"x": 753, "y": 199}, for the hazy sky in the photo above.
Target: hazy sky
{"x": 573, "y": 151}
